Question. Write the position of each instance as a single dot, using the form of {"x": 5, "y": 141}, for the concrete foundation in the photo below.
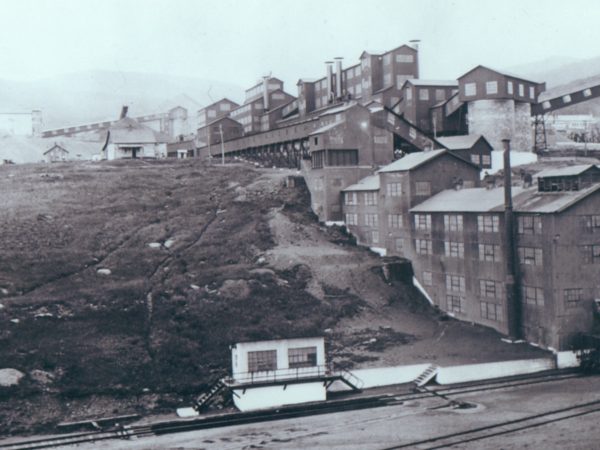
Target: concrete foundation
{"x": 502, "y": 119}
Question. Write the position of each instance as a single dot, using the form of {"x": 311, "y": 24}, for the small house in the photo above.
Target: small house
{"x": 127, "y": 138}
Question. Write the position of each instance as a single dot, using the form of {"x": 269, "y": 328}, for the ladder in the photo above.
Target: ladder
{"x": 350, "y": 379}
{"x": 426, "y": 376}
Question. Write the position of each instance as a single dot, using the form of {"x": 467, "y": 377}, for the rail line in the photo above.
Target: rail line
{"x": 287, "y": 412}
{"x": 502, "y": 428}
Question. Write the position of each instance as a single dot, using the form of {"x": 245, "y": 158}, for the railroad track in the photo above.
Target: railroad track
{"x": 502, "y": 428}
{"x": 288, "y": 412}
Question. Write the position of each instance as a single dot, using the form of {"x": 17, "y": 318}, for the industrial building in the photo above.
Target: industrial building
{"x": 21, "y": 123}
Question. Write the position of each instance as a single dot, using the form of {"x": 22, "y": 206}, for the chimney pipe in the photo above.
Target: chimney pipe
{"x": 124, "y": 111}
{"x": 338, "y": 77}
{"x": 266, "y": 92}
{"x": 329, "y": 80}
{"x": 513, "y": 284}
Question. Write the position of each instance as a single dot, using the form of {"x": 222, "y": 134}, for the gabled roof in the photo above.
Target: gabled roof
{"x": 307, "y": 80}
{"x": 414, "y": 160}
{"x": 501, "y": 72}
{"x": 223, "y": 100}
{"x": 370, "y": 183}
{"x": 221, "y": 119}
{"x": 461, "y": 142}
{"x": 492, "y": 200}
{"x": 566, "y": 171}
{"x": 130, "y": 131}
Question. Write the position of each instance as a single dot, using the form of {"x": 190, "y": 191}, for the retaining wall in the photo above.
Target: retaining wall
{"x": 486, "y": 371}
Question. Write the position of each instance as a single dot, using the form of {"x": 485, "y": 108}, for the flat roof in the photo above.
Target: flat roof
{"x": 459, "y": 142}
{"x": 565, "y": 171}
{"x": 419, "y": 82}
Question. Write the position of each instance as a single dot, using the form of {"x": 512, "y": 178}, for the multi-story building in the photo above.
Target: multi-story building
{"x": 215, "y": 111}
{"x": 419, "y": 96}
{"x": 394, "y": 190}
{"x": 557, "y": 249}
{"x": 21, "y": 123}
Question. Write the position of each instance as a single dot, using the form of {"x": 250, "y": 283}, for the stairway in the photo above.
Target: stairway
{"x": 426, "y": 376}
{"x": 206, "y": 396}
{"x": 350, "y": 379}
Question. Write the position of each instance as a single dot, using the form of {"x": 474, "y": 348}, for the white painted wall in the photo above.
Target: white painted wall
{"x": 383, "y": 376}
{"x": 272, "y": 396}
{"x": 18, "y": 124}
{"x": 565, "y": 360}
{"x": 486, "y": 371}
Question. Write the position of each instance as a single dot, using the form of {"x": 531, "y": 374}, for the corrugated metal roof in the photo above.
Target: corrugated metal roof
{"x": 419, "y": 82}
{"x": 411, "y": 161}
{"x": 492, "y": 200}
{"x": 370, "y": 183}
{"x": 565, "y": 171}
{"x": 325, "y": 128}
{"x": 459, "y": 142}
{"x": 338, "y": 109}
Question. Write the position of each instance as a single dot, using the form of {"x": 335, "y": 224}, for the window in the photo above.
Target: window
{"x": 375, "y": 237}
{"x": 487, "y": 223}
{"x": 423, "y": 221}
{"x": 395, "y": 221}
{"x": 387, "y": 58}
{"x": 573, "y": 297}
{"x": 454, "y": 249}
{"x": 408, "y": 93}
{"x": 424, "y": 94}
{"x": 351, "y": 219}
{"x": 422, "y": 187}
{"x": 440, "y": 95}
{"x": 262, "y": 360}
{"x": 470, "y": 89}
{"x": 350, "y": 198}
{"x": 405, "y": 58}
{"x": 488, "y": 289}
{"x": 427, "y": 278}
{"x": 530, "y": 255}
{"x": 489, "y": 252}
{"x": 358, "y": 88}
{"x": 455, "y": 283}
{"x": 455, "y": 303}
{"x": 453, "y": 222}
{"x": 533, "y": 295}
{"x": 400, "y": 244}
{"x": 529, "y": 224}
{"x": 302, "y": 357}
{"x": 491, "y": 87}
{"x": 423, "y": 246}
{"x": 509, "y": 87}
{"x": 521, "y": 90}
{"x": 340, "y": 158}
{"x": 371, "y": 220}
{"x": 387, "y": 79}
{"x": 491, "y": 311}
{"x": 370, "y": 198}
{"x": 486, "y": 160}
{"x": 591, "y": 254}
{"x": 212, "y": 113}
{"x": 475, "y": 159}
{"x": 317, "y": 159}
{"x": 394, "y": 189}
{"x": 592, "y": 223}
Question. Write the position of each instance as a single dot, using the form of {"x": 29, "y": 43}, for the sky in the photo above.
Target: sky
{"x": 240, "y": 41}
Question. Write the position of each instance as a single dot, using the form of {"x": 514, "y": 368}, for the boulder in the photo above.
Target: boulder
{"x": 235, "y": 289}
{"x": 10, "y": 377}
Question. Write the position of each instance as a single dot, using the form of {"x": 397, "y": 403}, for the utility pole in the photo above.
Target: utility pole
{"x": 222, "y": 145}
{"x": 209, "y": 132}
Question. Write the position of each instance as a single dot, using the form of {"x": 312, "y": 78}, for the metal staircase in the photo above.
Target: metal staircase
{"x": 351, "y": 380}
{"x": 426, "y": 376}
{"x": 204, "y": 398}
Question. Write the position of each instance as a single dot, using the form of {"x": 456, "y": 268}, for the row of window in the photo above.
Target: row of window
{"x": 333, "y": 157}
{"x": 491, "y": 87}
{"x": 526, "y": 224}
{"x": 266, "y": 360}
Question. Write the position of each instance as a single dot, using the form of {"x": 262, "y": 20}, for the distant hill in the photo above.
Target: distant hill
{"x": 563, "y": 75}
{"x": 82, "y": 97}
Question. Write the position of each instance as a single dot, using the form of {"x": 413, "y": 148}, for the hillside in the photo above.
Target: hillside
{"x": 84, "y": 97}
{"x": 122, "y": 285}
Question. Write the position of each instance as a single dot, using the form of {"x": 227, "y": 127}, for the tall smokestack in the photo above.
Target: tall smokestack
{"x": 329, "y": 79}
{"x": 124, "y": 111}
{"x": 414, "y": 43}
{"x": 266, "y": 92}
{"x": 513, "y": 294}
{"x": 338, "y": 77}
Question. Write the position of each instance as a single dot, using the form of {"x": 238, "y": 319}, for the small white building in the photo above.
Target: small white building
{"x": 268, "y": 374}
{"x": 127, "y": 138}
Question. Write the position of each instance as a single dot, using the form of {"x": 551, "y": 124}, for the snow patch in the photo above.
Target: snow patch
{"x": 380, "y": 251}
{"x": 516, "y": 159}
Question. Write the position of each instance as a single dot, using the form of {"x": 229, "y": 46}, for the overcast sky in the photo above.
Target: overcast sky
{"x": 239, "y": 41}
